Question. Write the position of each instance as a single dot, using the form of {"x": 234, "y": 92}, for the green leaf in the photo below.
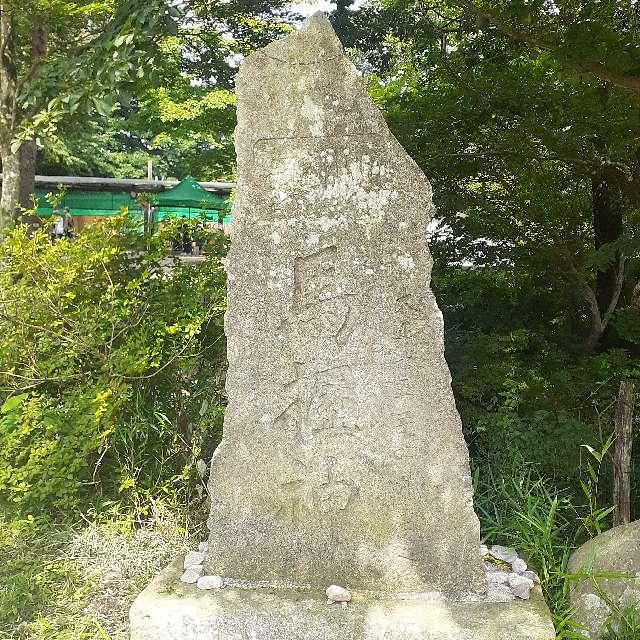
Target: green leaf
{"x": 104, "y": 106}
{"x": 171, "y": 26}
{"x": 13, "y": 402}
{"x": 600, "y": 515}
{"x": 593, "y": 452}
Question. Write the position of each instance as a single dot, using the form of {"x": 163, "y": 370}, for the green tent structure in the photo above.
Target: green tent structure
{"x": 188, "y": 199}
{"x": 91, "y": 197}
{"x": 89, "y": 203}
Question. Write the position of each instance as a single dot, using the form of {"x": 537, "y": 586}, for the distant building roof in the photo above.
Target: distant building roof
{"x": 123, "y": 184}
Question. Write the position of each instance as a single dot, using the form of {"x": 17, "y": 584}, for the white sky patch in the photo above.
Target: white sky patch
{"x": 309, "y": 8}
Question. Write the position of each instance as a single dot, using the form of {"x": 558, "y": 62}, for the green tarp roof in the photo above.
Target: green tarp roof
{"x": 186, "y": 199}
{"x": 189, "y": 194}
{"x": 89, "y": 203}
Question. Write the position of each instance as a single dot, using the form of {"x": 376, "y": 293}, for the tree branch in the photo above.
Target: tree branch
{"x": 597, "y": 325}
{"x": 598, "y": 69}
{"x": 613, "y": 303}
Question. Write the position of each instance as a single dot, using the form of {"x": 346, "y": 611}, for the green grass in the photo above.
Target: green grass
{"x": 32, "y": 576}
{"x": 524, "y": 511}
{"x": 78, "y": 582}
{"x": 623, "y": 624}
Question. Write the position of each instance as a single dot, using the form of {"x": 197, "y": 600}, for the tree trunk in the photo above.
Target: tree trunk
{"x": 11, "y": 183}
{"x": 18, "y": 181}
{"x": 607, "y": 206}
{"x": 8, "y": 90}
{"x": 28, "y": 152}
{"x": 19, "y": 168}
{"x": 29, "y": 149}
{"x": 622, "y": 453}
{"x": 607, "y": 227}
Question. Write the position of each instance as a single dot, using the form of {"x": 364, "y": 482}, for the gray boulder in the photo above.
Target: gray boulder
{"x": 615, "y": 551}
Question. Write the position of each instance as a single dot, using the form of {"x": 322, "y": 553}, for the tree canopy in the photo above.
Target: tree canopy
{"x": 66, "y": 59}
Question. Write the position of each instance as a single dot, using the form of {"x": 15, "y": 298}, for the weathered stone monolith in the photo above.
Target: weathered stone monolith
{"x": 343, "y": 461}
{"x": 343, "y": 457}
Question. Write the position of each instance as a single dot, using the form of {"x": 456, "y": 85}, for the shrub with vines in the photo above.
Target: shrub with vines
{"x": 111, "y": 368}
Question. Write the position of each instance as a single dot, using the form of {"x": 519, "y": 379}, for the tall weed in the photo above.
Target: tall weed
{"x": 523, "y": 510}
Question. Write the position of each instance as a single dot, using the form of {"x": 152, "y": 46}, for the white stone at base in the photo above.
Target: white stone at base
{"x": 170, "y": 610}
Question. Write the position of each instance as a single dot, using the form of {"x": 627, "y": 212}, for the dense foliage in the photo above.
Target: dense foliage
{"x": 111, "y": 368}
{"x": 183, "y": 115}
{"x": 61, "y": 61}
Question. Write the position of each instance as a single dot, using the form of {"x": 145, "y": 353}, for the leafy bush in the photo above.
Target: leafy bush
{"x": 525, "y": 387}
{"x": 111, "y": 368}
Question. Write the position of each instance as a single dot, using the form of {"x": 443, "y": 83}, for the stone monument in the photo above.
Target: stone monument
{"x": 343, "y": 461}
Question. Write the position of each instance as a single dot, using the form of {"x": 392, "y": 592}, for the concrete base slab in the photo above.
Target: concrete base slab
{"x": 170, "y": 610}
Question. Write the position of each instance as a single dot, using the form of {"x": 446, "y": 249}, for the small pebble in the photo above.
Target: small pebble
{"x": 529, "y": 574}
{"x": 520, "y": 586}
{"x": 191, "y": 575}
{"x": 497, "y": 577}
{"x": 209, "y": 582}
{"x": 203, "y": 547}
{"x": 484, "y": 550}
{"x": 489, "y": 567}
{"x": 519, "y": 565}
{"x": 193, "y": 558}
{"x": 337, "y": 594}
{"x": 503, "y": 553}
